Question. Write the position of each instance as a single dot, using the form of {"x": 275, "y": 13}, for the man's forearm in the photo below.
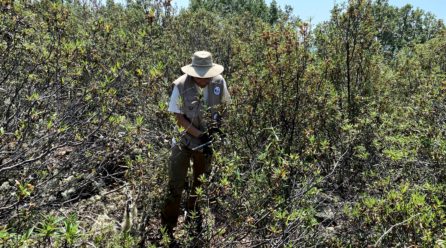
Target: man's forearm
{"x": 187, "y": 125}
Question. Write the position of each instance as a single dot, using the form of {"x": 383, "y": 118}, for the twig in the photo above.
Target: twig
{"x": 114, "y": 190}
{"x": 31, "y": 160}
{"x": 69, "y": 200}
{"x": 90, "y": 244}
{"x": 10, "y": 206}
{"x": 336, "y": 164}
{"x": 390, "y": 229}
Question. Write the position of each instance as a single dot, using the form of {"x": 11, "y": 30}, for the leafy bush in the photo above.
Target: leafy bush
{"x": 335, "y": 128}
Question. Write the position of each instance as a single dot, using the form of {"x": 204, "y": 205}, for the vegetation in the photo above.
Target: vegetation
{"x": 336, "y": 132}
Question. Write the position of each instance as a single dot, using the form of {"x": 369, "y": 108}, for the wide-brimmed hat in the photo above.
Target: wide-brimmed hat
{"x": 202, "y": 66}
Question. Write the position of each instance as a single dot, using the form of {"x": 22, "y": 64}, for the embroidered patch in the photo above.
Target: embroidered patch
{"x": 217, "y": 91}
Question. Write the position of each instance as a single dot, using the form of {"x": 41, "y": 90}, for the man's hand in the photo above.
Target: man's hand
{"x": 217, "y": 131}
{"x": 214, "y": 131}
{"x": 208, "y": 137}
{"x": 205, "y": 138}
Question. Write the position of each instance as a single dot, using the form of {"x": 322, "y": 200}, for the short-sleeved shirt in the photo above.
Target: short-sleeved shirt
{"x": 174, "y": 102}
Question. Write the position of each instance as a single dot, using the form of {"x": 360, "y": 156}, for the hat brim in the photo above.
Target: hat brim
{"x": 203, "y": 71}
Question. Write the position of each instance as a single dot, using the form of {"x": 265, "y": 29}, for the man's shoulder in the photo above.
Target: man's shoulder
{"x": 218, "y": 79}
{"x": 180, "y": 80}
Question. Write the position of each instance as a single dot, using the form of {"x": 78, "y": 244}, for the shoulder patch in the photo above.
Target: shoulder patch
{"x": 217, "y": 90}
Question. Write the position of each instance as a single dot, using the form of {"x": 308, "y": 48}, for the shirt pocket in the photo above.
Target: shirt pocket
{"x": 191, "y": 106}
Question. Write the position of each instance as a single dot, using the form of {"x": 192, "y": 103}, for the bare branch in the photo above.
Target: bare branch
{"x": 378, "y": 242}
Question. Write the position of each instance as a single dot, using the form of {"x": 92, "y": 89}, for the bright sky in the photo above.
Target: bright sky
{"x": 319, "y": 10}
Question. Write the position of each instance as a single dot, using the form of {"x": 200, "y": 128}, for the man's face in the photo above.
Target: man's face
{"x": 202, "y": 82}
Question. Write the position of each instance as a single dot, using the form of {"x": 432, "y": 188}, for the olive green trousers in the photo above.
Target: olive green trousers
{"x": 178, "y": 166}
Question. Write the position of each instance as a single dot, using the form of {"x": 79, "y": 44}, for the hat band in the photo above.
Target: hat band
{"x": 198, "y": 65}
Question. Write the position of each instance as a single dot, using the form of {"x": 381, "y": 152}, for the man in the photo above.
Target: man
{"x": 196, "y": 101}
